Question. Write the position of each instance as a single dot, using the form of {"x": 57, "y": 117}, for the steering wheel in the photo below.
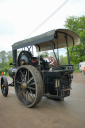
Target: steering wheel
{"x": 52, "y": 60}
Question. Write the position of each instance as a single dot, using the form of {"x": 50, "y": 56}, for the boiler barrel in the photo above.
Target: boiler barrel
{"x": 12, "y": 72}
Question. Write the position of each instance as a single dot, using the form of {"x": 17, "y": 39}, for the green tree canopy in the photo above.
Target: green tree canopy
{"x": 77, "y": 24}
{"x": 3, "y": 59}
{"x": 9, "y": 55}
{"x": 43, "y": 54}
{"x": 63, "y": 60}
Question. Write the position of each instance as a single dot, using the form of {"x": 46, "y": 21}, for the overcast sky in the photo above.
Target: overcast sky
{"x": 18, "y": 18}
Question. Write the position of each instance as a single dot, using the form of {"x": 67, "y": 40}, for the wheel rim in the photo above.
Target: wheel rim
{"x": 26, "y": 87}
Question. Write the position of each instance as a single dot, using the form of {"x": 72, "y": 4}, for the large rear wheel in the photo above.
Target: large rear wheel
{"x": 28, "y": 85}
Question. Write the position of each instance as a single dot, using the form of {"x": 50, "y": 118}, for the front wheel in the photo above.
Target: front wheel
{"x": 4, "y": 86}
{"x": 28, "y": 85}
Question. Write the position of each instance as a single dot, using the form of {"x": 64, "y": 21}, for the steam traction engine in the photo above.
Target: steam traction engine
{"x": 34, "y": 77}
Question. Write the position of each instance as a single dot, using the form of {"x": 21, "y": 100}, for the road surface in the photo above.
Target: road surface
{"x": 69, "y": 113}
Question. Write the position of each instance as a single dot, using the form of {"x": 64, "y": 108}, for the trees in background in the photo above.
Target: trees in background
{"x": 5, "y": 57}
{"x": 77, "y": 24}
{"x": 43, "y": 54}
{"x": 5, "y": 60}
{"x": 63, "y": 60}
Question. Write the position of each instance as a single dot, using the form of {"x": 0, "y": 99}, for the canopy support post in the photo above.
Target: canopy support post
{"x": 51, "y": 42}
{"x": 72, "y": 50}
{"x": 67, "y": 48}
{"x": 32, "y": 51}
{"x": 57, "y": 49}
{"x": 38, "y": 47}
{"x": 56, "y": 36}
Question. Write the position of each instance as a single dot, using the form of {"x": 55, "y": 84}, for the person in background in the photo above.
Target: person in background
{"x": 84, "y": 70}
{"x": 2, "y": 73}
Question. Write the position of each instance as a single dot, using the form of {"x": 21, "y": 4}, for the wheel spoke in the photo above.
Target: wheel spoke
{"x": 31, "y": 96}
{"x": 28, "y": 74}
{"x": 18, "y": 82}
{"x": 30, "y": 80}
{"x": 25, "y": 75}
{"x": 20, "y": 92}
{"x": 31, "y": 88}
{"x": 32, "y": 84}
{"x": 22, "y": 74}
{"x": 26, "y": 96}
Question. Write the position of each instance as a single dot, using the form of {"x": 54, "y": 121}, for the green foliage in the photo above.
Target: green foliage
{"x": 63, "y": 60}
{"x": 5, "y": 69}
{"x": 9, "y": 55}
{"x": 76, "y": 68}
{"x": 43, "y": 54}
{"x": 5, "y": 60}
{"x": 8, "y": 64}
{"x": 1, "y": 70}
{"x": 77, "y": 24}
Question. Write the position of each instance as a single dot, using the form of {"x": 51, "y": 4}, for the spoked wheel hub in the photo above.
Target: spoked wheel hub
{"x": 23, "y": 85}
{"x": 28, "y": 85}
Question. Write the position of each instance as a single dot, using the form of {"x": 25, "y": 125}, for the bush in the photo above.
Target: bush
{"x": 1, "y": 70}
{"x": 76, "y": 68}
{"x": 5, "y": 69}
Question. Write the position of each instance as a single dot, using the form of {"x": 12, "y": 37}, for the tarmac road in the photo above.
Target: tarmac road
{"x": 69, "y": 113}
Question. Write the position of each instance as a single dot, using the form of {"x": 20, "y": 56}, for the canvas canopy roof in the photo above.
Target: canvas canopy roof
{"x": 49, "y": 39}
